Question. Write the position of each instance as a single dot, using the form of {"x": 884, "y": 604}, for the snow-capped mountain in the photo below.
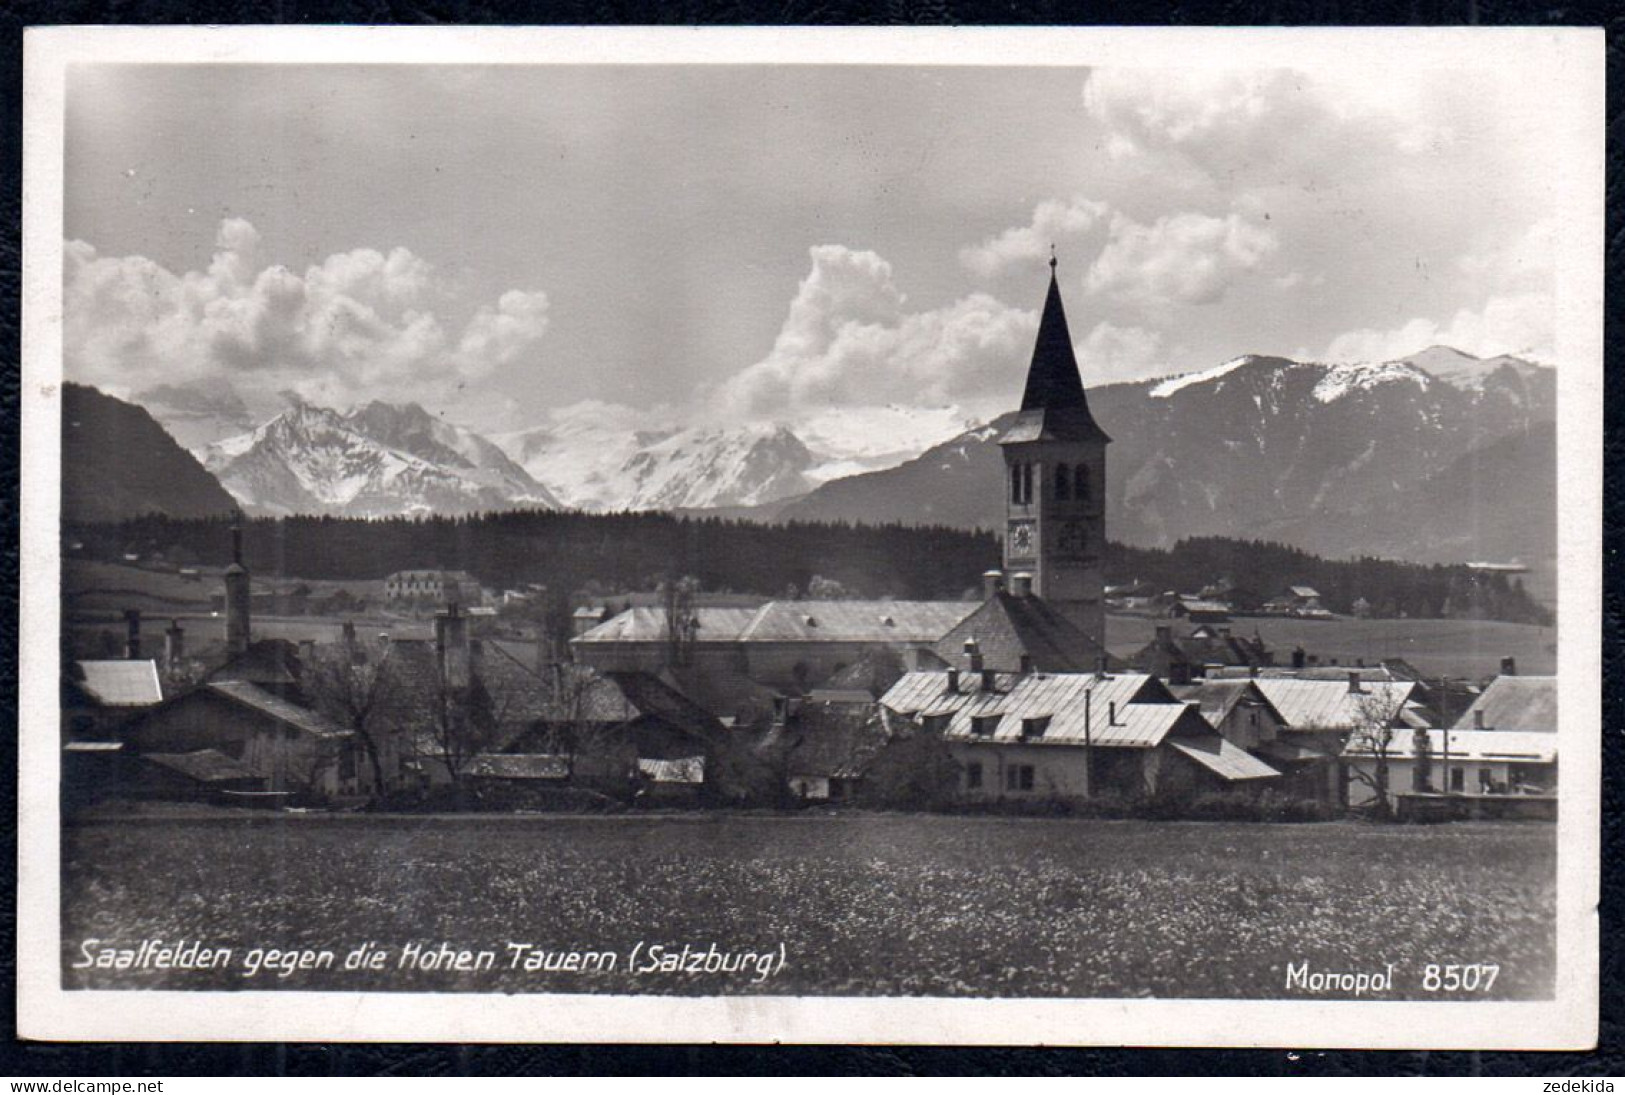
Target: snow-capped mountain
{"x": 1255, "y": 448}
{"x": 597, "y": 458}
{"x": 375, "y": 461}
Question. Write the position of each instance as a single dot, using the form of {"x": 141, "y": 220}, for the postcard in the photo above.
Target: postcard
{"x": 963, "y": 536}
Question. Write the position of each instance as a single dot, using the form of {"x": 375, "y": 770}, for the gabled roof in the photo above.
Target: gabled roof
{"x": 1217, "y": 698}
{"x": 1006, "y": 626}
{"x": 265, "y": 703}
{"x": 648, "y": 625}
{"x": 1515, "y": 703}
{"x": 1053, "y": 404}
{"x": 121, "y": 683}
{"x": 1068, "y": 708}
{"x": 1329, "y": 705}
{"x": 855, "y": 621}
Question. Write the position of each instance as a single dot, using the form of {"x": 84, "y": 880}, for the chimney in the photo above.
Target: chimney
{"x": 987, "y": 680}
{"x": 1297, "y": 658}
{"x": 1021, "y": 585}
{"x": 1354, "y": 682}
{"x": 1509, "y": 667}
{"x": 1026, "y": 663}
{"x": 132, "y": 634}
{"x": 953, "y": 680}
{"x": 174, "y": 646}
{"x": 973, "y": 656}
{"x": 992, "y": 582}
{"x": 451, "y": 643}
{"x": 1478, "y": 718}
{"x": 238, "y": 596}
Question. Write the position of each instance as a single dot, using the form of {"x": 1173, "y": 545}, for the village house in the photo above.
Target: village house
{"x": 433, "y": 587}
{"x": 1069, "y": 735}
{"x": 1511, "y": 702}
{"x": 1302, "y": 602}
{"x": 1319, "y": 718}
{"x": 1207, "y": 649}
{"x": 1479, "y": 764}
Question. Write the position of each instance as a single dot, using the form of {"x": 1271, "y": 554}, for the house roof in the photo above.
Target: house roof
{"x": 1515, "y": 703}
{"x": 855, "y": 621}
{"x": 121, "y": 683}
{"x": 1145, "y": 711}
{"x": 1341, "y": 673}
{"x": 1329, "y": 705}
{"x": 538, "y": 766}
{"x": 258, "y": 699}
{"x": 203, "y": 765}
{"x": 1217, "y": 698}
{"x": 680, "y": 770}
{"x": 1053, "y": 404}
{"x": 1306, "y": 592}
{"x": 871, "y": 674}
{"x": 1224, "y": 759}
{"x": 1006, "y": 626}
{"x": 648, "y": 625}
{"x": 1527, "y": 747}
{"x": 266, "y": 661}
{"x": 830, "y": 740}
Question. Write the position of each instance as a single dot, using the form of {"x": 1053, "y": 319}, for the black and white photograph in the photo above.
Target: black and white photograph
{"x": 963, "y": 536}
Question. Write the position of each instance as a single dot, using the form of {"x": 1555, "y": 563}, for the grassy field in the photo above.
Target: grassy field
{"x": 1457, "y": 648}
{"x": 859, "y": 904}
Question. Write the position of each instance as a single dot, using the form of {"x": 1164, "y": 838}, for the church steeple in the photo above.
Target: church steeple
{"x": 1053, "y": 405}
{"x": 1055, "y": 465}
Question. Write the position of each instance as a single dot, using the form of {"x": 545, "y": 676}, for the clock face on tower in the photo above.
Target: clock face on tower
{"x": 1021, "y": 538}
{"x": 1069, "y": 539}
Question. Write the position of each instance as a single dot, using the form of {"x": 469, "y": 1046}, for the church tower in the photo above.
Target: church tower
{"x": 1055, "y": 481}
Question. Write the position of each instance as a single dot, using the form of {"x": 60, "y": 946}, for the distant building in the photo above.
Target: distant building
{"x": 1302, "y": 602}
{"x": 433, "y": 587}
{"x": 1202, "y": 653}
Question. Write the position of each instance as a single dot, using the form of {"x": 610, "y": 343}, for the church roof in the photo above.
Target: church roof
{"x": 1007, "y": 626}
{"x": 1053, "y": 405}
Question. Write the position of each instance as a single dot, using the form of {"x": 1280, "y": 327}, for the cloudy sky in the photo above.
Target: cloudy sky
{"x": 773, "y": 242}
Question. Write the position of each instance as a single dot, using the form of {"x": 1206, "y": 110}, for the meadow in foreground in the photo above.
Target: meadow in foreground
{"x": 850, "y": 904}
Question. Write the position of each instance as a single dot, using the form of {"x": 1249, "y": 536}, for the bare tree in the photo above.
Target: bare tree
{"x": 681, "y": 623}
{"x": 1373, "y": 733}
{"x": 346, "y": 682}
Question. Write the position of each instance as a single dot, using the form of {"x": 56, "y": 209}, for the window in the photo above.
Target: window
{"x": 1027, "y": 482}
{"x": 1458, "y": 779}
{"x": 1034, "y": 727}
{"x": 1081, "y": 483}
{"x": 1018, "y": 777}
{"x": 973, "y": 776}
{"x": 1486, "y": 781}
{"x": 984, "y": 725}
{"x": 1015, "y": 483}
{"x": 935, "y": 724}
{"x": 1063, "y": 483}
{"x": 1021, "y": 484}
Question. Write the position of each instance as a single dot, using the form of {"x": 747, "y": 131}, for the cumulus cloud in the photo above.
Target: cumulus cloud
{"x": 1110, "y": 353}
{"x": 849, "y": 340}
{"x": 1188, "y": 258}
{"x": 1052, "y": 222}
{"x": 359, "y": 324}
{"x": 1520, "y": 324}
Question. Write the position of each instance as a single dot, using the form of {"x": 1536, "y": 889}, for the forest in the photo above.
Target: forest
{"x": 637, "y": 551}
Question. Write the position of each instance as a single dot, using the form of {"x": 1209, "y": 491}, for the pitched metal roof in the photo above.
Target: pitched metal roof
{"x": 1217, "y": 698}
{"x": 1043, "y": 708}
{"x": 648, "y": 625}
{"x": 1515, "y": 703}
{"x": 1224, "y": 759}
{"x": 518, "y": 766}
{"x": 204, "y": 766}
{"x": 855, "y": 621}
{"x": 253, "y": 696}
{"x": 1329, "y": 705}
{"x": 1006, "y": 626}
{"x": 121, "y": 683}
{"x": 1527, "y": 747}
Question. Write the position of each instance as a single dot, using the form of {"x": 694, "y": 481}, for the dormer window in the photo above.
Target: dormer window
{"x": 983, "y": 726}
{"x": 1035, "y": 726}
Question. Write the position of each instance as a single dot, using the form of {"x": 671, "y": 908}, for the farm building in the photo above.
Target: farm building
{"x": 1472, "y": 763}
{"x": 100, "y": 696}
{"x": 289, "y": 747}
{"x": 1182, "y": 659}
{"x": 433, "y": 587}
{"x": 1070, "y": 735}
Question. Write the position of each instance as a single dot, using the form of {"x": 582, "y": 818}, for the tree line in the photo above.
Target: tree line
{"x": 638, "y": 551}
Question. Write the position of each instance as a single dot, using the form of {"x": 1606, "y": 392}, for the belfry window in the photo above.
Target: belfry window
{"x": 1021, "y": 484}
{"x": 1027, "y": 482}
{"x": 1081, "y": 488}
{"x": 1015, "y": 483}
{"x": 1063, "y": 483}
